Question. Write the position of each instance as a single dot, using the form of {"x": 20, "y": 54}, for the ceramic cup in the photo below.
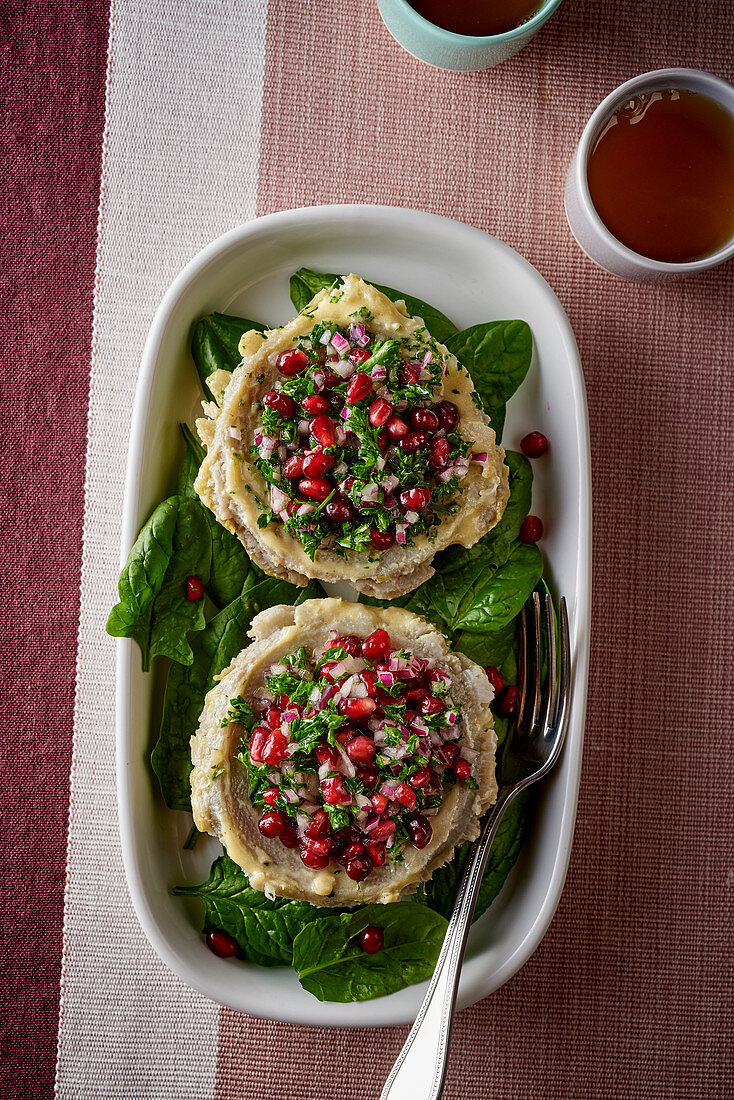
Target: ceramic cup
{"x": 586, "y": 225}
{"x": 460, "y": 52}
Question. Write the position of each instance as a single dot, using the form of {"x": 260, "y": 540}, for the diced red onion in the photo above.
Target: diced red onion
{"x": 347, "y": 767}
{"x": 343, "y": 368}
{"x": 319, "y": 379}
{"x": 340, "y": 343}
{"x": 278, "y": 498}
{"x": 388, "y": 788}
{"x": 400, "y": 533}
{"x": 356, "y": 331}
{"x": 370, "y": 492}
{"x": 258, "y": 438}
{"x": 479, "y": 456}
{"x": 324, "y": 770}
{"x": 340, "y": 436}
{"x": 325, "y": 337}
{"x": 451, "y": 718}
{"x": 426, "y": 359}
{"x": 292, "y": 748}
{"x": 430, "y": 812}
{"x": 386, "y": 679}
{"x": 468, "y": 754}
{"x": 267, "y": 446}
{"x": 411, "y": 517}
{"x": 303, "y": 427}
{"x": 363, "y": 341}
{"x": 379, "y": 373}
{"x": 304, "y": 509}
{"x": 290, "y": 797}
{"x": 302, "y": 823}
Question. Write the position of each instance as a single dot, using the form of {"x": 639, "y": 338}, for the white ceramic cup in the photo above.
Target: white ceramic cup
{"x": 592, "y": 235}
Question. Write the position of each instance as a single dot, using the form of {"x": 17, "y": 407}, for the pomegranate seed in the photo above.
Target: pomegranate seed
{"x": 334, "y": 791}
{"x": 534, "y": 444}
{"x": 383, "y": 830}
{"x": 380, "y": 412}
{"x": 414, "y": 442}
{"x": 339, "y": 511}
{"x": 416, "y": 695}
{"x": 292, "y": 362}
{"x": 440, "y": 453}
{"x": 194, "y": 589}
{"x": 280, "y": 402}
{"x": 270, "y": 796}
{"x": 358, "y": 867}
{"x": 326, "y": 754}
{"x": 320, "y": 845}
{"x": 359, "y": 386}
{"x": 379, "y": 802}
{"x": 369, "y": 679}
{"x": 408, "y": 374}
{"x": 425, "y": 419}
{"x": 283, "y": 701}
{"x": 448, "y": 414}
{"x": 495, "y": 679}
{"x": 315, "y": 404}
{"x": 222, "y": 944}
{"x": 369, "y": 776}
{"x": 420, "y": 778}
{"x": 275, "y": 746}
{"x": 461, "y": 768}
{"x": 420, "y": 830}
{"x": 415, "y": 500}
{"x": 317, "y": 488}
{"x": 531, "y": 529}
{"x": 361, "y": 749}
{"x": 317, "y": 463}
{"x": 446, "y": 753}
{"x": 315, "y": 860}
{"x": 258, "y": 740}
{"x": 271, "y": 823}
{"x": 273, "y": 716}
{"x": 376, "y": 645}
{"x": 356, "y": 709}
{"x": 353, "y": 850}
{"x": 430, "y": 705}
{"x": 396, "y": 427}
{"x": 288, "y": 837}
{"x": 322, "y": 429}
{"x": 372, "y": 939}
{"x": 293, "y": 466}
{"x": 507, "y": 703}
{"x": 383, "y": 440}
{"x": 331, "y": 379}
{"x": 376, "y": 852}
{"x": 327, "y": 670}
{"x": 359, "y": 355}
{"x": 318, "y": 826}
{"x": 350, "y": 642}
{"x": 381, "y": 540}
{"x": 345, "y": 735}
{"x": 405, "y": 795}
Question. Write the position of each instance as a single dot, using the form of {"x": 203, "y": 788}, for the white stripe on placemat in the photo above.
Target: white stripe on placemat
{"x": 182, "y": 132}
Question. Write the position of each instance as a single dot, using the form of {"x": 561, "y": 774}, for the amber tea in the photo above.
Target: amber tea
{"x": 661, "y": 175}
{"x": 477, "y": 17}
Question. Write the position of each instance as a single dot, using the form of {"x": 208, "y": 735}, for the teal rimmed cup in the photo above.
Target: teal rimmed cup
{"x": 459, "y": 52}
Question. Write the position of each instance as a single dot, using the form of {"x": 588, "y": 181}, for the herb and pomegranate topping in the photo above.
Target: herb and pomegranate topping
{"x": 356, "y": 451}
{"x": 350, "y": 751}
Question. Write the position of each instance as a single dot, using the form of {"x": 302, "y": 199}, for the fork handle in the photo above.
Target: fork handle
{"x": 420, "y": 1069}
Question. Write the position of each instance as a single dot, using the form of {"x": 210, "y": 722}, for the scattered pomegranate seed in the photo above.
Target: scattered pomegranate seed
{"x": 258, "y": 740}
{"x": 440, "y": 453}
{"x": 430, "y": 705}
{"x": 270, "y": 796}
{"x": 507, "y": 703}
{"x": 420, "y": 830}
{"x": 376, "y": 852}
{"x": 359, "y": 386}
{"x": 317, "y": 463}
{"x": 322, "y": 429}
{"x": 405, "y": 795}
{"x": 222, "y": 944}
{"x": 293, "y": 467}
{"x": 415, "y": 500}
{"x": 194, "y": 589}
{"x": 359, "y": 355}
{"x": 334, "y": 791}
{"x": 283, "y": 701}
{"x": 425, "y": 419}
{"x": 280, "y": 402}
{"x": 383, "y": 830}
{"x": 358, "y": 867}
{"x": 372, "y": 939}
{"x": 315, "y": 860}
{"x": 420, "y": 778}
{"x": 369, "y": 678}
{"x": 381, "y": 540}
{"x": 354, "y": 849}
{"x": 327, "y": 670}
{"x": 271, "y": 824}
{"x": 361, "y": 749}
{"x": 339, "y": 511}
{"x": 273, "y": 716}
{"x": 531, "y": 529}
{"x": 408, "y": 374}
{"x": 383, "y": 440}
{"x": 356, "y": 709}
{"x": 274, "y": 749}
{"x": 288, "y": 837}
{"x": 317, "y": 488}
{"x": 325, "y": 753}
{"x": 461, "y": 768}
{"x": 414, "y": 442}
{"x": 320, "y": 845}
{"x": 534, "y": 444}
{"x": 369, "y": 776}
{"x": 345, "y": 735}
{"x": 448, "y": 414}
{"x": 331, "y": 379}
{"x": 447, "y": 752}
{"x": 380, "y": 412}
{"x": 376, "y": 645}
{"x": 350, "y": 642}
{"x": 495, "y": 679}
{"x": 292, "y": 362}
{"x": 315, "y": 404}
{"x": 396, "y": 427}
{"x": 379, "y": 802}
{"x": 319, "y": 825}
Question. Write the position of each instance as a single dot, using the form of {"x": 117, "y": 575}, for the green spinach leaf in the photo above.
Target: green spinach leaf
{"x": 215, "y": 343}
{"x": 331, "y": 964}
{"x": 192, "y": 460}
{"x": 305, "y": 283}
{"x": 497, "y": 354}
{"x": 174, "y": 544}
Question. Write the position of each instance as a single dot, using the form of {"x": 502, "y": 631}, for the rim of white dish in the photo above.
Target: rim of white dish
{"x": 453, "y": 38}
{"x": 379, "y": 1011}
{"x": 694, "y": 80}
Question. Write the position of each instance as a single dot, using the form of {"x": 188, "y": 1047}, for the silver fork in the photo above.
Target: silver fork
{"x": 532, "y": 748}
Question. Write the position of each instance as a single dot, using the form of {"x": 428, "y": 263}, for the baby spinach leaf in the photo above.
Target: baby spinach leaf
{"x": 498, "y": 595}
{"x": 232, "y": 571}
{"x": 305, "y": 283}
{"x": 192, "y": 460}
{"x": 331, "y": 964}
{"x": 491, "y": 648}
{"x": 215, "y": 343}
{"x": 263, "y": 929}
{"x": 174, "y": 544}
{"x": 497, "y": 354}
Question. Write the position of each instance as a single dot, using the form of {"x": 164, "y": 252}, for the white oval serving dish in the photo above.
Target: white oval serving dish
{"x": 471, "y": 277}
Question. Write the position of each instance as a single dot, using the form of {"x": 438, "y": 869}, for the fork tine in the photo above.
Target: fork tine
{"x": 565, "y": 674}
{"x": 536, "y": 662}
{"x": 522, "y": 671}
{"x": 551, "y": 695}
